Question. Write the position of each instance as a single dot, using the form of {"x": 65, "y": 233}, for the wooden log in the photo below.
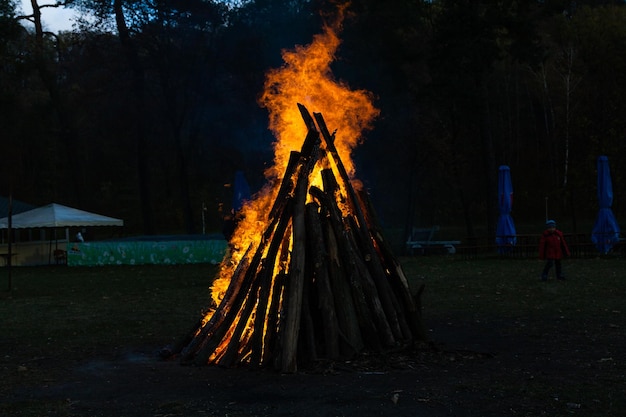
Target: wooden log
{"x": 308, "y": 152}
{"x": 209, "y": 338}
{"x": 386, "y": 295}
{"x": 398, "y": 278}
{"x": 348, "y": 258}
{"x": 286, "y": 185}
{"x": 307, "y": 343}
{"x": 319, "y": 261}
{"x": 368, "y": 319}
{"x": 228, "y": 307}
{"x": 235, "y": 342}
{"x": 266, "y": 276}
{"x": 218, "y": 330}
{"x": 295, "y": 285}
{"x": 371, "y": 293}
{"x": 272, "y": 342}
{"x": 306, "y": 116}
{"x": 361, "y": 257}
{"x": 351, "y": 339}
{"x": 404, "y": 329}
{"x": 256, "y": 302}
{"x": 206, "y": 331}
{"x": 385, "y": 251}
{"x": 293, "y": 293}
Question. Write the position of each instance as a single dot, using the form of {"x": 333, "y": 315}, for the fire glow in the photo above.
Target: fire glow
{"x": 306, "y": 78}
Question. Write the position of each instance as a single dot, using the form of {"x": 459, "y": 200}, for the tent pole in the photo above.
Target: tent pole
{"x": 50, "y": 248}
{"x": 9, "y": 247}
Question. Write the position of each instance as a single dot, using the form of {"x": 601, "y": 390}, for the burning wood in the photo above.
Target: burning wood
{"x": 320, "y": 282}
{"x": 310, "y": 275}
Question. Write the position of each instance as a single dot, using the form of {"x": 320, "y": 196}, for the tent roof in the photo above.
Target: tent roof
{"x": 57, "y": 215}
{"x": 17, "y": 206}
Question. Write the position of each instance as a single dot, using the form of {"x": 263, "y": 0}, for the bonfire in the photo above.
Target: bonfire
{"x": 309, "y": 274}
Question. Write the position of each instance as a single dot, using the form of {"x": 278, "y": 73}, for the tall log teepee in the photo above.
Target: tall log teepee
{"x": 320, "y": 282}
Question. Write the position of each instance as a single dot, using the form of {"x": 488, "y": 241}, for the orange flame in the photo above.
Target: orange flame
{"x": 305, "y": 78}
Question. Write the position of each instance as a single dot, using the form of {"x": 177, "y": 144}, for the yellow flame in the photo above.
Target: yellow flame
{"x": 305, "y": 78}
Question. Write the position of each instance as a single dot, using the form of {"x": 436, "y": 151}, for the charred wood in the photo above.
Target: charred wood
{"x": 319, "y": 272}
{"x": 398, "y": 279}
{"x": 387, "y": 297}
{"x": 307, "y": 345}
{"x": 351, "y": 339}
{"x": 293, "y": 294}
{"x": 349, "y": 258}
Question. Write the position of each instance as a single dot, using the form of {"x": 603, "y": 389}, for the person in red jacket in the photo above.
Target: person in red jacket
{"x": 552, "y": 248}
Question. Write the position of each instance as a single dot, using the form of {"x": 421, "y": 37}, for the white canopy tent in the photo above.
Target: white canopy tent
{"x": 57, "y": 215}
{"x": 52, "y": 216}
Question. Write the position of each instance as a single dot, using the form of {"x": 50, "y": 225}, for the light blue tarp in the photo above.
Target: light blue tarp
{"x": 506, "y": 236}
{"x": 605, "y": 233}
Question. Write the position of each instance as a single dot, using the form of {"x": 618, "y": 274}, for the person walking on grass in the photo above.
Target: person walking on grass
{"x": 552, "y": 248}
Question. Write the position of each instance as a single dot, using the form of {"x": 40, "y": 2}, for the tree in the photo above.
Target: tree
{"x": 10, "y": 35}
{"x": 43, "y": 53}
{"x": 161, "y": 104}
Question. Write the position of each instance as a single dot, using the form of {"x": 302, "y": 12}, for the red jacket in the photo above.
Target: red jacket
{"x": 552, "y": 245}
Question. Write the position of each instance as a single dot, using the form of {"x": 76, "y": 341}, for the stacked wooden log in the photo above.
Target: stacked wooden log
{"x": 321, "y": 282}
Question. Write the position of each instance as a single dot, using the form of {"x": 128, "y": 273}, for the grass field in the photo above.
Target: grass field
{"x": 512, "y": 287}
{"x": 87, "y": 309}
{"x": 69, "y": 314}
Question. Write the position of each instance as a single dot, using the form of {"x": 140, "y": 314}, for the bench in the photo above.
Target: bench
{"x": 422, "y": 240}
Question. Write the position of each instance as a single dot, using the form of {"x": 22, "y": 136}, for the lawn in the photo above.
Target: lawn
{"x": 65, "y": 316}
{"x": 511, "y": 287}
{"x": 91, "y": 309}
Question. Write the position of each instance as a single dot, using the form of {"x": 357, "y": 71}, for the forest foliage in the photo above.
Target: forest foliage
{"x": 145, "y": 110}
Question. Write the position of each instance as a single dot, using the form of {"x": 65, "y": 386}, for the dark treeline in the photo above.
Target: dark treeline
{"x": 146, "y": 109}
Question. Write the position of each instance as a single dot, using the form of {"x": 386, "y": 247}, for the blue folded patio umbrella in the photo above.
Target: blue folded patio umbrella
{"x": 606, "y": 231}
{"x": 506, "y": 236}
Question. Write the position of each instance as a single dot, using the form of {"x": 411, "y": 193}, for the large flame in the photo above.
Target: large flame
{"x": 304, "y": 78}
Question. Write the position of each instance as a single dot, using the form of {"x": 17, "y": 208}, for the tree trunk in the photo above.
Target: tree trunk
{"x": 142, "y": 146}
